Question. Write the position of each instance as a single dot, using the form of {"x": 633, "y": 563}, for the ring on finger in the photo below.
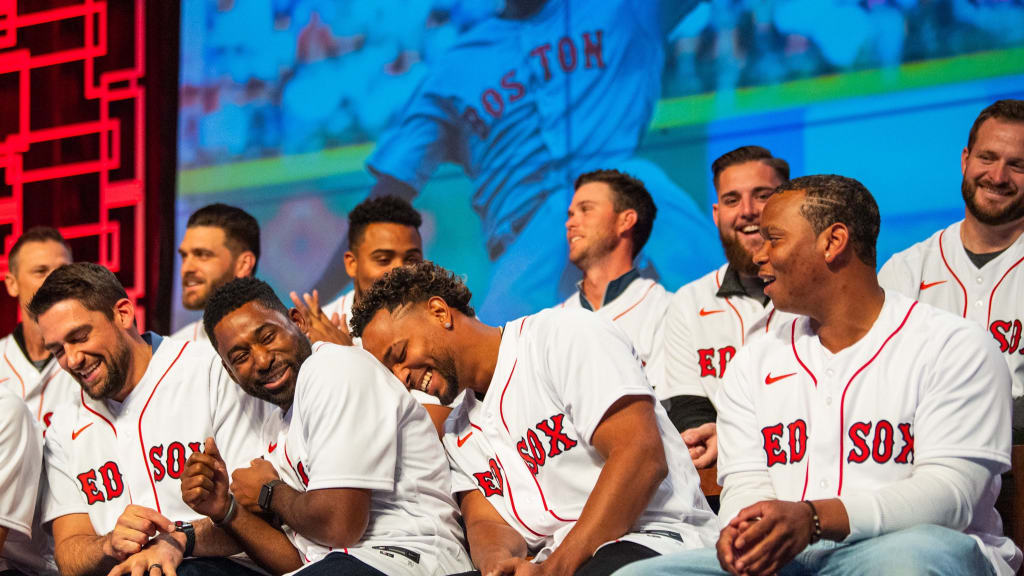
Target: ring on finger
{"x": 149, "y": 570}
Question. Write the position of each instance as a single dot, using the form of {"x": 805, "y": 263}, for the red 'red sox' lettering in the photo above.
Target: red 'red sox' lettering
{"x": 879, "y": 442}
{"x": 1007, "y": 333}
{"x": 531, "y": 448}
{"x": 775, "y": 453}
{"x": 491, "y": 481}
{"x": 706, "y": 361}
{"x": 173, "y": 464}
{"x": 107, "y": 474}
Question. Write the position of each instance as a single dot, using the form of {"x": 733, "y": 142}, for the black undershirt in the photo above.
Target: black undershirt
{"x": 982, "y": 259}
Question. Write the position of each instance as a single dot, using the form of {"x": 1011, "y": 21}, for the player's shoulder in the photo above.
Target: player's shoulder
{"x": 935, "y": 324}
{"x": 192, "y": 355}
{"x": 918, "y": 253}
{"x": 12, "y": 407}
{"x": 701, "y": 288}
{"x": 189, "y": 332}
{"x": 348, "y": 364}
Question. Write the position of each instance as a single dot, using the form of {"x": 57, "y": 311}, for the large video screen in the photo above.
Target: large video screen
{"x": 487, "y": 110}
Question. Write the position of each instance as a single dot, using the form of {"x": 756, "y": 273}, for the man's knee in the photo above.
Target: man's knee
{"x": 926, "y": 549}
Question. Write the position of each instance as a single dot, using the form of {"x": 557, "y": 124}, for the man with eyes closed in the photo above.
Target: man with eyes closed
{"x": 352, "y": 471}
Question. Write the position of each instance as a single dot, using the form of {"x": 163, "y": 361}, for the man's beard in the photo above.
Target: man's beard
{"x": 1013, "y": 211}
{"x": 739, "y": 258}
{"x": 445, "y": 366}
{"x": 117, "y": 373}
{"x": 284, "y": 395}
{"x": 200, "y": 304}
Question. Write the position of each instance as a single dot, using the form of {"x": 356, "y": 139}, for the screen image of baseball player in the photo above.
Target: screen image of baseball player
{"x": 609, "y": 221}
{"x": 522, "y": 103}
{"x": 836, "y": 449}
{"x": 113, "y": 459}
{"x": 558, "y": 448}
{"x": 28, "y": 369}
{"x": 711, "y": 318}
{"x": 975, "y": 267}
{"x": 23, "y": 545}
{"x": 352, "y": 464}
{"x": 383, "y": 233}
{"x": 221, "y": 243}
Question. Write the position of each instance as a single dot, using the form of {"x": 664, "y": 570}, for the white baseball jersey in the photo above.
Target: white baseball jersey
{"x": 939, "y": 272}
{"x": 21, "y": 464}
{"x": 827, "y": 425}
{"x": 639, "y": 311}
{"x": 343, "y": 307}
{"x": 102, "y": 455}
{"x": 353, "y": 425}
{"x": 703, "y": 332}
{"x": 194, "y": 332}
{"x": 42, "y": 390}
{"x": 527, "y": 445}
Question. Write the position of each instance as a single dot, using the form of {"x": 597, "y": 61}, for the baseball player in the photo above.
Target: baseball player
{"x": 22, "y": 544}
{"x": 711, "y": 318}
{"x": 610, "y": 220}
{"x": 352, "y": 466}
{"x": 973, "y": 268}
{"x": 383, "y": 233}
{"x": 27, "y": 369}
{"x": 839, "y": 452}
{"x": 558, "y": 447}
{"x": 114, "y": 459}
{"x": 524, "y": 102}
{"x": 221, "y": 243}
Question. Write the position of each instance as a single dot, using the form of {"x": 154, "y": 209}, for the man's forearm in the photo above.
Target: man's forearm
{"x": 266, "y": 545}
{"x": 490, "y": 542}
{"x": 323, "y": 516}
{"x": 84, "y": 555}
{"x": 621, "y": 494}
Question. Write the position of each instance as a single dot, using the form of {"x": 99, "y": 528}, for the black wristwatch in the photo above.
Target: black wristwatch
{"x": 190, "y": 538}
{"x": 266, "y": 494}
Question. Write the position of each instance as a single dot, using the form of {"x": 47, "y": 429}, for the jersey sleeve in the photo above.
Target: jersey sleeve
{"x": 739, "y": 440}
{"x": 21, "y": 459}
{"x": 897, "y": 275}
{"x": 62, "y": 495}
{"x": 681, "y": 376}
{"x": 419, "y": 141}
{"x": 592, "y": 364}
{"x": 349, "y": 423}
{"x": 969, "y": 383}
{"x": 237, "y": 418}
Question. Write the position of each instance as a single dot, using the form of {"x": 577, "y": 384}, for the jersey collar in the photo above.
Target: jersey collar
{"x": 614, "y": 289}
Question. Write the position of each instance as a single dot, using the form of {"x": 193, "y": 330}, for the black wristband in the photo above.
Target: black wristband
{"x": 815, "y": 522}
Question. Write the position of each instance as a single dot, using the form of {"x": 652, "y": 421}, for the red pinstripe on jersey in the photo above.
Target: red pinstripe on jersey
{"x": 743, "y": 329}
{"x": 101, "y": 416}
{"x": 142, "y": 442}
{"x": 13, "y": 369}
{"x": 501, "y": 401}
{"x": 842, "y": 403}
{"x": 512, "y": 500}
{"x": 635, "y": 304}
{"x": 992, "y": 296}
{"x": 942, "y": 254}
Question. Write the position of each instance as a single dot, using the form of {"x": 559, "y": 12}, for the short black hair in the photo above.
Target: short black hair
{"x": 1008, "y": 109}
{"x": 745, "y": 154}
{"x": 35, "y": 234}
{"x": 628, "y": 193}
{"x": 91, "y": 284}
{"x": 241, "y": 230}
{"x": 830, "y": 198}
{"x": 234, "y": 295}
{"x": 410, "y": 284}
{"x": 390, "y": 209}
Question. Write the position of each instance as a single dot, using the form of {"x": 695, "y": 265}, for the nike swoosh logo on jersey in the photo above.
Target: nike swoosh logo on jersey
{"x": 75, "y": 434}
{"x": 462, "y": 440}
{"x": 925, "y": 286}
{"x": 704, "y": 312}
{"x": 769, "y": 379}
{"x": 271, "y": 447}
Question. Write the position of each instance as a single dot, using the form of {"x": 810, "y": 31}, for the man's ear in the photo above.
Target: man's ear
{"x": 124, "y": 313}
{"x": 627, "y": 220}
{"x": 350, "y": 264}
{"x": 245, "y": 264}
{"x": 835, "y": 241}
{"x": 440, "y": 311}
{"x": 12, "y": 284}
{"x": 299, "y": 320}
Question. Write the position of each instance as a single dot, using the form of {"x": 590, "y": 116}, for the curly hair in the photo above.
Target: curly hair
{"x": 830, "y": 199}
{"x": 628, "y": 193}
{"x": 390, "y": 209}
{"x": 91, "y": 284}
{"x": 234, "y": 295}
{"x": 410, "y": 284}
